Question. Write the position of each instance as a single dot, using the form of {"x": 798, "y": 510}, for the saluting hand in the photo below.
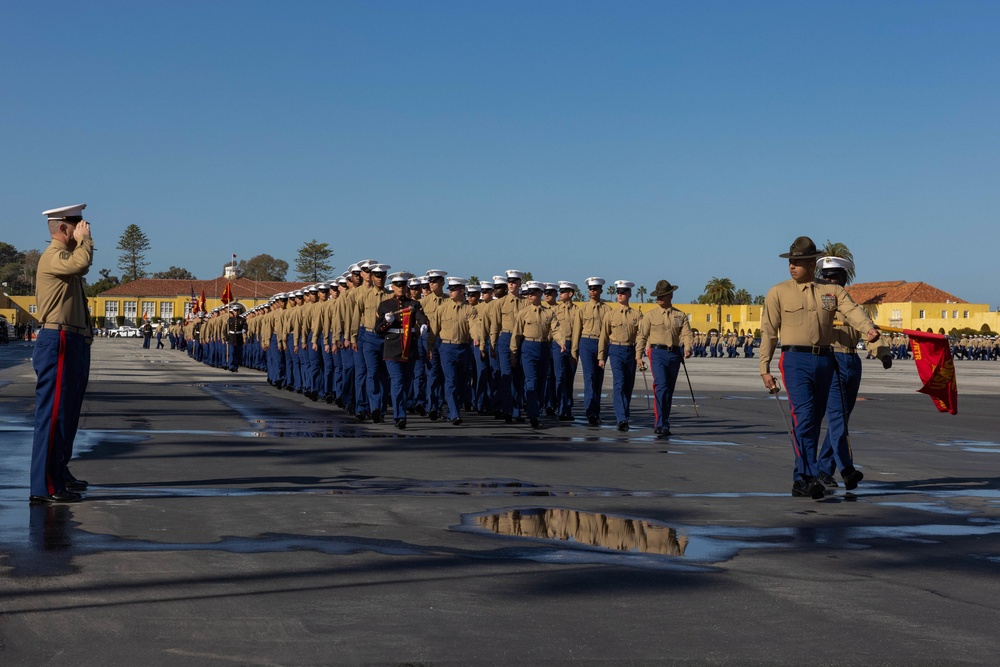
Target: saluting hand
{"x": 82, "y": 230}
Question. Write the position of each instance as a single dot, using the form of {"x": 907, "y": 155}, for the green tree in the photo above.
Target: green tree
{"x": 840, "y": 250}
{"x": 758, "y": 300}
{"x": 719, "y": 292}
{"x": 175, "y": 273}
{"x": 311, "y": 263}
{"x": 741, "y": 297}
{"x": 642, "y": 292}
{"x": 106, "y": 282}
{"x": 263, "y": 267}
{"x": 132, "y": 261}
{"x": 12, "y": 270}
{"x": 610, "y": 290}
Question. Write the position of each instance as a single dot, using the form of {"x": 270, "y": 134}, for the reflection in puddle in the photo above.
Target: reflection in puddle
{"x": 598, "y": 530}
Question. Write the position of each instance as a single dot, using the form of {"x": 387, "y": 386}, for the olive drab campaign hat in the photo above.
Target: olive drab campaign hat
{"x": 802, "y": 248}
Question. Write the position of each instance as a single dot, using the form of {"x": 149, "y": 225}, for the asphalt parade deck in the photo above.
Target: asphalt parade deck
{"x": 230, "y": 523}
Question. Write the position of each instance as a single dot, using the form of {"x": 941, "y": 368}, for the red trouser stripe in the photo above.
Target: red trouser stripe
{"x": 54, "y": 423}
{"x": 791, "y": 408}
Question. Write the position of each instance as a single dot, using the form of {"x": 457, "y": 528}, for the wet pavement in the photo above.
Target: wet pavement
{"x": 229, "y": 523}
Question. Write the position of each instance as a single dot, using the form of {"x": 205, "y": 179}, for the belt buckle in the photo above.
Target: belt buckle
{"x": 816, "y": 349}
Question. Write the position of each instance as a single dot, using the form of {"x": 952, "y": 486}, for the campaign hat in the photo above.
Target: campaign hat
{"x": 801, "y": 248}
{"x": 663, "y": 288}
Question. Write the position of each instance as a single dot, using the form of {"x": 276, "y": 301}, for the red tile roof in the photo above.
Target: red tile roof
{"x": 243, "y": 288}
{"x": 900, "y": 291}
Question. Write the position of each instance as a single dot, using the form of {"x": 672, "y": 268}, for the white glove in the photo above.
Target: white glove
{"x": 389, "y": 317}
{"x": 423, "y": 329}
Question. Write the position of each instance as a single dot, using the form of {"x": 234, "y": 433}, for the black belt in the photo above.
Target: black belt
{"x": 811, "y": 349}
{"x": 668, "y": 348}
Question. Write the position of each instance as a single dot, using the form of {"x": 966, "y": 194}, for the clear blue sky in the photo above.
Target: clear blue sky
{"x": 638, "y": 140}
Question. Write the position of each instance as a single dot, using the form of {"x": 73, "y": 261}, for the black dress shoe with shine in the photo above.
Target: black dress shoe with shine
{"x": 433, "y": 415}
{"x": 400, "y": 424}
{"x": 535, "y": 423}
{"x": 827, "y": 480}
{"x": 593, "y": 421}
{"x": 376, "y": 417}
{"x": 657, "y": 431}
{"x": 457, "y": 421}
{"x": 622, "y": 426}
{"x": 57, "y": 497}
{"x": 76, "y": 485}
{"x": 851, "y": 478}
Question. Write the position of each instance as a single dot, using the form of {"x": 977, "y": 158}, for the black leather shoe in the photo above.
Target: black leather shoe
{"x": 329, "y": 399}
{"x": 622, "y": 426}
{"x": 851, "y": 478}
{"x": 420, "y": 410}
{"x": 57, "y": 497}
{"x": 519, "y": 420}
{"x": 457, "y": 421}
{"x": 361, "y": 416}
{"x": 808, "y": 489}
{"x": 508, "y": 418}
{"x": 550, "y": 412}
{"x": 565, "y": 418}
{"x": 593, "y": 421}
{"x": 400, "y": 424}
{"x": 827, "y": 480}
{"x": 535, "y": 423}
{"x": 657, "y": 431}
{"x": 376, "y": 417}
{"x": 76, "y": 485}
{"x": 433, "y": 415}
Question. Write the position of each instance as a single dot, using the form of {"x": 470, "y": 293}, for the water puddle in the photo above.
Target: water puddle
{"x": 972, "y": 446}
{"x": 644, "y": 542}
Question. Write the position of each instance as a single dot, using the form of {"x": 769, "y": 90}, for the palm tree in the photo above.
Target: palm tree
{"x": 840, "y": 250}
{"x": 742, "y": 297}
{"x": 642, "y": 291}
{"x": 721, "y": 292}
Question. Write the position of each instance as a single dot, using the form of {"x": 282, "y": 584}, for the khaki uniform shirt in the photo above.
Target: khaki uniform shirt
{"x": 803, "y": 314}
{"x": 621, "y": 326}
{"x": 664, "y": 326}
{"x": 570, "y": 322}
{"x": 592, "y": 318}
{"x": 453, "y": 322}
{"x": 535, "y": 323}
{"x": 503, "y": 314}
{"x": 59, "y": 292}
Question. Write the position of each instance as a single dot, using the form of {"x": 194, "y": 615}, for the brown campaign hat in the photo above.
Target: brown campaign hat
{"x": 663, "y": 288}
{"x": 802, "y": 248}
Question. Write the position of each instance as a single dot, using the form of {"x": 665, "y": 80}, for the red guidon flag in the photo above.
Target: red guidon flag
{"x": 227, "y": 294}
{"x": 932, "y": 354}
{"x": 201, "y": 305}
{"x": 406, "y": 315}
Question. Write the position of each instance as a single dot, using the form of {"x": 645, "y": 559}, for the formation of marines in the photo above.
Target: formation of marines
{"x": 438, "y": 346}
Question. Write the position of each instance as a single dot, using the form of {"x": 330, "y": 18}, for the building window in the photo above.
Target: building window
{"x": 32, "y": 309}
{"x": 897, "y": 314}
{"x": 965, "y": 314}
{"x": 148, "y": 309}
{"x": 708, "y": 318}
{"x": 110, "y": 311}
{"x": 166, "y": 310}
{"x": 729, "y": 318}
{"x": 130, "y": 311}
{"x": 944, "y": 314}
{"x": 920, "y": 315}
{"x": 187, "y": 309}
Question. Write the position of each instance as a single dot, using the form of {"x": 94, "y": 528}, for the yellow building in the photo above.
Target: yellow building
{"x": 162, "y": 299}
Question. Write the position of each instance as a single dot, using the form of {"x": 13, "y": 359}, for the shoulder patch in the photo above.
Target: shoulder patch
{"x": 65, "y": 254}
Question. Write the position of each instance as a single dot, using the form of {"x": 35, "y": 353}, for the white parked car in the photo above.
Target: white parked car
{"x": 124, "y": 332}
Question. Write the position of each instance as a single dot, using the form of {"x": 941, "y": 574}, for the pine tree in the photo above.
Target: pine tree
{"x": 311, "y": 262}
{"x": 132, "y": 261}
